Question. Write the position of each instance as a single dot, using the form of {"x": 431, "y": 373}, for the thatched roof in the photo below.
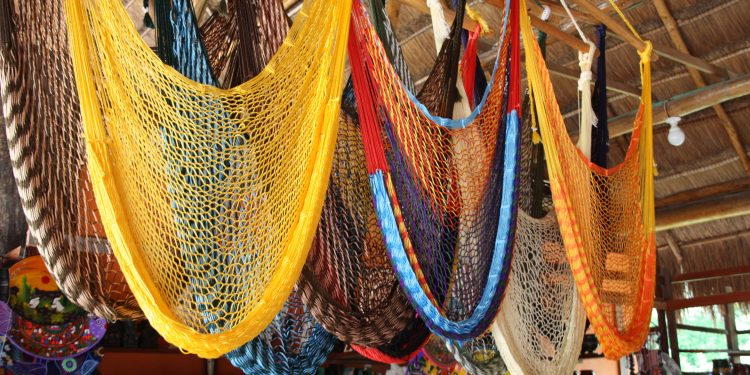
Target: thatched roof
{"x": 715, "y": 31}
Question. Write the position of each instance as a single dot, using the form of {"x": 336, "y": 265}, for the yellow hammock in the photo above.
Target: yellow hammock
{"x": 606, "y": 216}
{"x": 209, "y": 197}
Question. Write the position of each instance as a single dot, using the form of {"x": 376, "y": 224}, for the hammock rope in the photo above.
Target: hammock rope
{"x": 348, "y": 283}
{"x": 606, "y": 216}
{"x": 45, "y": 139}
{"x": 264, "y": 194}
{"x": 409, "y": 185}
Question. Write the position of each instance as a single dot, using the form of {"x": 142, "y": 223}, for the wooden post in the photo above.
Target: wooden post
{"x": 661, "y": 313}
{"x": 671, "y": 316}
{"x": 731, "y": 327}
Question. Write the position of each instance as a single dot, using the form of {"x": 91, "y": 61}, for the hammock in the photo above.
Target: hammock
{"x": 46, "y": 146}
{"x": 540, "y": 326}
{"x": 271, "y": 159}
{"x": 292, "y": 344}
{"x": 444, "y": 190}
{"x": 613, "y": 260}
{"x": 348, "y": 282}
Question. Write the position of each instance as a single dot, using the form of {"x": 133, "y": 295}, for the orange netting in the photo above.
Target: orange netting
{"x": 606, "y": 215}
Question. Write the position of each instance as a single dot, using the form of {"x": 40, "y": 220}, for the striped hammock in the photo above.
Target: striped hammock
{"x": 45, "y": 139}
{"x": 612, "y": 259}
{"x": 444, "y": 189}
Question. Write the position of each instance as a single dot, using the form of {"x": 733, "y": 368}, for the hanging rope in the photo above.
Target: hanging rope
{"x": 45, "y": 139}
{"x": 271, "y": 190}
{"x": 613, "y": 260}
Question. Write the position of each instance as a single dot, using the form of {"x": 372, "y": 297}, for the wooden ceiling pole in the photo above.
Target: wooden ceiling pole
{"x": 687, "y": 196}
{"x": 687, "y": 103}
{"x": 729, "y": 126}
{"x": 669, "y": 53}
{"x": 705, "y": 210}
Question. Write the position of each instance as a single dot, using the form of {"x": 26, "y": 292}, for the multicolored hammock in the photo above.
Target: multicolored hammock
{"x": 606, "y": 215}
{"x": 348, "y": 282}
{"x": 444, "y": 189}
{"x": 271, "y": 159}
{"x": 540, "y": 326}
{"x": 45, "y": 139}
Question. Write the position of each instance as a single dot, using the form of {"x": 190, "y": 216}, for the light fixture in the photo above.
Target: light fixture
{"x": 676, "y": 136}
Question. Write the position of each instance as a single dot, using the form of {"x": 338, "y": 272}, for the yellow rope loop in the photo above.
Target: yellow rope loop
{"x": 625, "y": 19}
{"x": 474, "y": 15}
{"x": 210, "y": 197}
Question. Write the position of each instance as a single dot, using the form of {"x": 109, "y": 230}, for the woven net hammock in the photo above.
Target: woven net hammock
{"x": 251, "y": 161}
{"x": 348, "y": 282}
{"x": 45, "y": 139}
{"x": 540, "y": 326}
{"x": 606, "y": 215}
{"x": 443, "y": 189}
{"x": 292, "y": 344}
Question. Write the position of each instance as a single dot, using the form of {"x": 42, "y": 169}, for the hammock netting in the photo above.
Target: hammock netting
{"x": 606, "y": 216}
{"x": 45, "y": 139}
{"x": 348, "y": 282}
{"x": 209, "y": 197}
{"x": 540, "y": 327}
{"x": 443, "y": 189}
{"x": 294, "y": 343}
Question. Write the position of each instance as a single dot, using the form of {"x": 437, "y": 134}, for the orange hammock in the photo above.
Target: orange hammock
{"x": 606, "y": 216}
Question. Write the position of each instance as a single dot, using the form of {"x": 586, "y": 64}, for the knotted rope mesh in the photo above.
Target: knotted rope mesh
{"x": 606, "y": 216}
{"x": 253, "y": 161}
{"x": 443, "y": 188}
{"x": 294, "y": 343}
{"x": 348, "y": 282}
{"x": 540, "y": 326}
{"x": 45, "y": 139}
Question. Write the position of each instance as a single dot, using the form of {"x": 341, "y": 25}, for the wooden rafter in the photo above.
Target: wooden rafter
{"x": 667, "y": 52}
{"x": 720, "y": 299}
{"x": 687, "y": 196}
{"x": 685, "y": 104}
{"x": 710, "y": 274}
{"x": 729, "y": 127}
{"x": 705, "y": 210}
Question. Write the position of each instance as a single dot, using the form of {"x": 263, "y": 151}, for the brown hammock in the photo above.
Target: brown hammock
{"x": 44, "y": 130}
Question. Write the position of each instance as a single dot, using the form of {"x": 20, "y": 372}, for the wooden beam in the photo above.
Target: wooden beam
{"x": 720, "y": 299}
{"x": 729, "y": 127}
{"x": 702, "y": 329}
{"x": 685, "y": 104}
{"x": 706, "y": 210}
{"x": 450, "y": 15}
{"x": 733, "y": 343}
{"x": 711, "y": 274}
{"x": 668, "y": 52}
{"x": 684, "y": 197}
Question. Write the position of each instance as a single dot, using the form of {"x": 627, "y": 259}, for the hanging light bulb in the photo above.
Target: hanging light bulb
{"x": 676, "y": 136}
